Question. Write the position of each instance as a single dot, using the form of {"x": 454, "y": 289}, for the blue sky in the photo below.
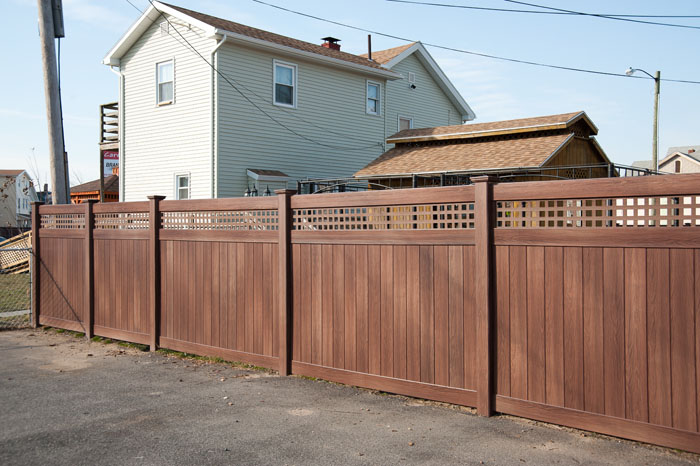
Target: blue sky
{"x": 620, "y": 107}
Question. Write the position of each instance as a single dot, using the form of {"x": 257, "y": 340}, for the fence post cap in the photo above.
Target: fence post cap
{"x": 285, "y": 191}
{"x": 156, "y": 197}
{"x": 483, "y": 179}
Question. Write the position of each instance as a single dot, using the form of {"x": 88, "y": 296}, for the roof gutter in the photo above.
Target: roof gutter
{"x": 387, "y": 74}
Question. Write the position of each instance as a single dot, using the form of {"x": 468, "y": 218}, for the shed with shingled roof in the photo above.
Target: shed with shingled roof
{"x": 547, "y": 147}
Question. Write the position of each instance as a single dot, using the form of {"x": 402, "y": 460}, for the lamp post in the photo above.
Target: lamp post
{"x": 657, "y": 87}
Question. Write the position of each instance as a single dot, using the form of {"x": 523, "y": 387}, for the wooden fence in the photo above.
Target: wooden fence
{"x": 576, "y": 302}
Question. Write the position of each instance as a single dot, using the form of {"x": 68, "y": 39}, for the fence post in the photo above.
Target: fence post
{"x": 89, "y": 279}
{"x": 36, "y": 263}
{"x": 483, "y": 272}
{"x": 154, "y": 268}
{"x": 284, "y": 225}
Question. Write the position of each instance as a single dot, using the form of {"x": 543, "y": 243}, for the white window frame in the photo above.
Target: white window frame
{"x": 167, "y": 102}
{"x": 403, "y": 117}
{"x": 379, "y": 95}
{"x": 295, "y": 82}
{"x": 411, "y": 77}
{"x": 176, "y": 181}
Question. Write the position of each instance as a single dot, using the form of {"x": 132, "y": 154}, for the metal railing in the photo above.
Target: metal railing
{"x": 415, "y": 180}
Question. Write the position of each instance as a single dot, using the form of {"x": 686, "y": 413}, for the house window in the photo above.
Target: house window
{"x": 165, "y": 82}
{"x": 678, "y": 166}
{"x": 411, "y": 77}
{"x": 182, "y": 187}
{"x": 285, "y": 84}
{"x": 405, "y": 123}
{"x": 373, "y": 98}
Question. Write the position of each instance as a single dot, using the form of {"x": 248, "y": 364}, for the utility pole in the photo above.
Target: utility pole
{"x": 655, "y": 151}
{"x": 47, "y": 32}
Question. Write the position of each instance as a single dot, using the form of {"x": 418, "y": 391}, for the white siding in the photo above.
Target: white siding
{"x": 687, "y": 165}
{"x": 159, "y": 142}
{"x": 427, "y": 104}
{"x": 330, "y": 110}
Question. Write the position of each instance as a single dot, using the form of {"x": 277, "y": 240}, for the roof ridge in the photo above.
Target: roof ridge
{"x": 281, "y": 39}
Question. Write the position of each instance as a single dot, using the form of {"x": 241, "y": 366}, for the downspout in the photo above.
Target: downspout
{"x": 214, "y": 113}
{"x": 120, "y": 111}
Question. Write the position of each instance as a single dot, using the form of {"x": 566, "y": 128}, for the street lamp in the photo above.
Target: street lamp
{"x": 657, "y": 84}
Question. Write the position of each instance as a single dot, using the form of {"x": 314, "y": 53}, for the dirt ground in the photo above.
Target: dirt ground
{"x": 66, "y": 401}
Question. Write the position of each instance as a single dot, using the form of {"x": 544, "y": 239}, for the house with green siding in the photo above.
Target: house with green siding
{"x": 211, "y": 108}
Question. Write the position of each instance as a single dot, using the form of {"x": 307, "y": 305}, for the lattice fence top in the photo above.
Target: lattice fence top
{"x": 62, "y": 221}
{"x": 402, "y": 217}
{"x": 660, "y": 211}
{"x": 220, "y": 220}
{"x": 122, "y": 221}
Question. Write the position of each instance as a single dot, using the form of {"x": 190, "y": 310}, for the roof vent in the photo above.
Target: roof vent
{"x": 164, "y": 28}
{"x": 330, "y": 43}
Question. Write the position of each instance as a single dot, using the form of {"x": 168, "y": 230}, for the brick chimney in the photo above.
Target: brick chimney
{"x": 691, "y": 151}
{"x": 330, "y": 43}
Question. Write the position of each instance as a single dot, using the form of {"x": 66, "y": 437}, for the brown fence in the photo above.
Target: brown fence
{"x": 574, "y": 302}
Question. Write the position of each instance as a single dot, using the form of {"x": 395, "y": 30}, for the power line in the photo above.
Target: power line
{"x": 230, "y": 83}
{"x": 616, "y": 18}
{"x": 510, "y": 10}
{"x": 469, "y": 52}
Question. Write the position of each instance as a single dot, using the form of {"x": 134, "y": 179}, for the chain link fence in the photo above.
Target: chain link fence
{"x": 15, "y": 287}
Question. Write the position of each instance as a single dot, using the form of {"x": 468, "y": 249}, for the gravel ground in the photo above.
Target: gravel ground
{"x": 67, "y": 401}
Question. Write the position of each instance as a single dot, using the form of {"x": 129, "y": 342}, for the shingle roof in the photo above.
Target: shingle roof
{"x": 111, "y": 185}
{"x": 481, "y": 129}
{"x": 477, "y": 155}
{"x": 10, "y": 172}
{"x": 686, "y": 150}
{"x": 255, "y": 33}
{"x": 385, "y": 56}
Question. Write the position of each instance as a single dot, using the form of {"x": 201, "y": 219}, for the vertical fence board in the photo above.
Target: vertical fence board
{"x": 399, "y": 292}
{"x": 503, "y": 362}
{"x": 696, "y": 288}
{"x": 455, "y": 313}
{"x": 361, "y": 288}
{"x": 327, "y": 312}
{"x": 635, "y": 335}
{"x": 305, "y": 314}
{"x": 374, "y": 307}
{"x": 535, "y": 325}
{"x": 413, "y": 315}
{"x": 518, "y": 322}
{"x": 684, "y": 393}
{"x": 614, "y": 330}
{"x": 427, "y": 316}
{"x": 387, "y": 311}
{"x": 469, "y": 332}
{"x": 573, "y": 328}
{"x": 554, "y": 318}
{"x": 339, "y": 306}
{"x": 350, "y": 330}
{"x": 242, "y": 279}
{"x": 593, "y": 370}
{"x": 316, "y": 304}
{"x": 658, "y": 336}
{"x": 441, "y": 287}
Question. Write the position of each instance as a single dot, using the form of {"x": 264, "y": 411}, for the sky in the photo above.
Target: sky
{"x": 621, "y": 107}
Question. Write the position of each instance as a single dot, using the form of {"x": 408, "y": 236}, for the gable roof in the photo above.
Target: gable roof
{"x": 385, "y": 56}
{"x": 111, "y": 185}
{"x": 486, "y": 155}
{"x": 391, "y": 57}
{"x": 494, "y": 128}
{"x": 216, "y": 28}
{"x": 11, "y": 172}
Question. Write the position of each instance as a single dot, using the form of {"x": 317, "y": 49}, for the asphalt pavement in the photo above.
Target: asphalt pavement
{"x": 67, "y": 401}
